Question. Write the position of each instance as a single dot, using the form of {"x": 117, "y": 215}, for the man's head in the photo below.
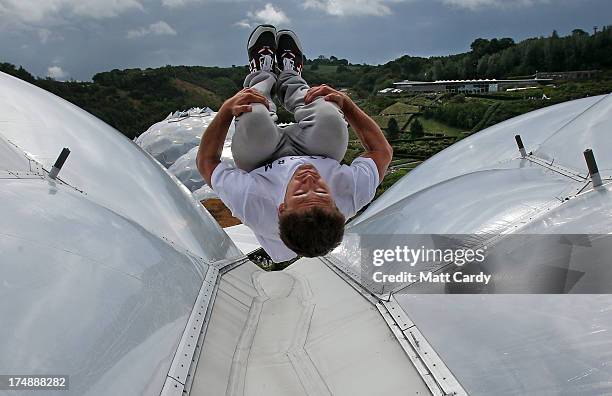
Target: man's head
{"x": 309, "y": 222}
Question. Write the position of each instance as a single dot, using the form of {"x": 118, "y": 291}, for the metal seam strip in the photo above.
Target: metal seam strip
{"x": 563, "y": 171}
{"x": 414, "y": 357}
{"x": 179, "y": 369}
{"x": 440, "y": 380}
{"x": 185, "y": 360}
{"x": 425, "y": 359}
{"x": 200, "y": 342}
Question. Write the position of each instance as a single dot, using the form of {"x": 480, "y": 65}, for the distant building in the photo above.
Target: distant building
{"x": 465, "y": 86}
{"x": 390, "y": 91}
{"x": 569, "y": 75}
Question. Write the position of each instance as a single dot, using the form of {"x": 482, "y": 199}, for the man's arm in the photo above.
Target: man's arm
{"x": 368, "y": 131}
{"x": 211, "y": 145}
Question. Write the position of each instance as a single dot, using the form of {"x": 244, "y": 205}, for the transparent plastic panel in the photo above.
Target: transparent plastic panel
{"x": 565, "y": 248}
{"x": 487, "y": 149}
{"x": 520, "y": 344}
{"x": 172, "y": 138}
{"x": 88, "y": 293}
{"x": 186, "y": 170}
{"x": 11, "y": 158}
{"x": 167, "y": 140}
{"x": 587, "y": 213}
{"x": 113, "y": 171}
{"x": 590, "y": 129}
{"x": 483, "y": 203}
{"x": 204, "y": 192}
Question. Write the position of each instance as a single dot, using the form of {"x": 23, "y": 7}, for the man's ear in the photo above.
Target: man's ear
{"x": 281, "y": 208}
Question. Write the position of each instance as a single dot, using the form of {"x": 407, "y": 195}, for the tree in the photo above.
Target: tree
{"x": 416, "y": 129}
{"x": 579, "y": 32}
{"x": 480, "y": 46}
{"x": 392, "y": 129}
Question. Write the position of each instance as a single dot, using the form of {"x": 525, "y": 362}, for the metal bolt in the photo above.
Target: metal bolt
{"x": 521, "y": 147}
{"x": 59, "y": 163}
{"x": 592, "y": 166}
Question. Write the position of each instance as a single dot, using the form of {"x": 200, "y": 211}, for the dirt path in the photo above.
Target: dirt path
{"x": 220, "y": 212}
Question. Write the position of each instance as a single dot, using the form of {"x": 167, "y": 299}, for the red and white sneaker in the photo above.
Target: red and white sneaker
{"x": 261, "y": 48}
{"x": 289, "y": 53}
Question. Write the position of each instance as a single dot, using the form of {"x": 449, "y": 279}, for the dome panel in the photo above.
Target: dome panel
{"x": 11, "y": 159}
{"x": 110, "y": 169}
{"x": 590, "y": 129}
{"x": 519, "y": 344}
{"x": 87, "y": 292}
{"x": 487, "y": 149}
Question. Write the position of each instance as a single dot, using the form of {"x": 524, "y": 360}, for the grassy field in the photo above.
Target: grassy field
{"x": 485, "y": 110}
{"x": 398, "y": 108}
{"x": 432, "y": 126}
{"x": 383, "y": 121}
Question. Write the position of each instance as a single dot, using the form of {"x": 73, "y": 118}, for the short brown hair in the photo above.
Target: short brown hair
{"x": 312, "y": 233}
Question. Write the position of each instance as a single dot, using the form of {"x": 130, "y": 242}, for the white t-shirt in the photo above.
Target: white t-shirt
{"x": 254, "y": 197}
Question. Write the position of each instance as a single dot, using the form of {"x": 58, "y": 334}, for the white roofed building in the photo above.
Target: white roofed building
{"x": 465, "y": 86}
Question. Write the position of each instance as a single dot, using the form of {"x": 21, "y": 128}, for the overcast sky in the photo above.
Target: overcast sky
{"x": 78, "y": 38}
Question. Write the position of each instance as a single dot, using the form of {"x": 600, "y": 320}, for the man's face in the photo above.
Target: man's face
{"x": 306, "y": 189}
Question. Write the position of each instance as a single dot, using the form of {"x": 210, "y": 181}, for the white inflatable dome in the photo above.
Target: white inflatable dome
{"x": 483, "y": 188}
{"x": 106, "y": 272}
{"x": 174, "y": 143}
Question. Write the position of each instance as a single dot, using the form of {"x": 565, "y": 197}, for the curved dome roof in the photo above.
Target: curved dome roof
{"x": 482, "y": 186}
{"x": 107, "y": 167}
{"x": 558, "y": 134}
{"x": 484, "y": 190}
{"x": 103, "y": 268}
{"x": 174, "y": 143}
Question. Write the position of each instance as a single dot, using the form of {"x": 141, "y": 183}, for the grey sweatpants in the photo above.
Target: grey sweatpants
{"x": 320, "y": 128}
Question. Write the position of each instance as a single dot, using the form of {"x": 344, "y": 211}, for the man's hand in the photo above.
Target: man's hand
{"x": 331, "y": 95}
{"x": 211, "y": 146}
{"x": 366, "y": 129}
{"x": 241, "y": 102}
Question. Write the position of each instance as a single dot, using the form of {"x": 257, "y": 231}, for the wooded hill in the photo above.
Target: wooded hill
{"x": 131, "y": 100}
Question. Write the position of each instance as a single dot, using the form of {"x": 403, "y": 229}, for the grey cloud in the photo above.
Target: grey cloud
{"x": 350, "y": 7}
{"x": 480, "y": 4}
{"x": 159, "y": 28}
{"x": 56, "y": 73}
{"x": 214, "y": 32}
{"x": 40, "y": 10}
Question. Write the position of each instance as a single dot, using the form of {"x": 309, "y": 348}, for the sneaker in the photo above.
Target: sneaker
{"x": 261, "y": 48}
{"x": 289, "y": 54}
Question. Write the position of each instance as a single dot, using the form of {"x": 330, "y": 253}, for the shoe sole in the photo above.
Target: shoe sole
{"x": 258, "y": 31}
{"x": 291, "y": 34}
